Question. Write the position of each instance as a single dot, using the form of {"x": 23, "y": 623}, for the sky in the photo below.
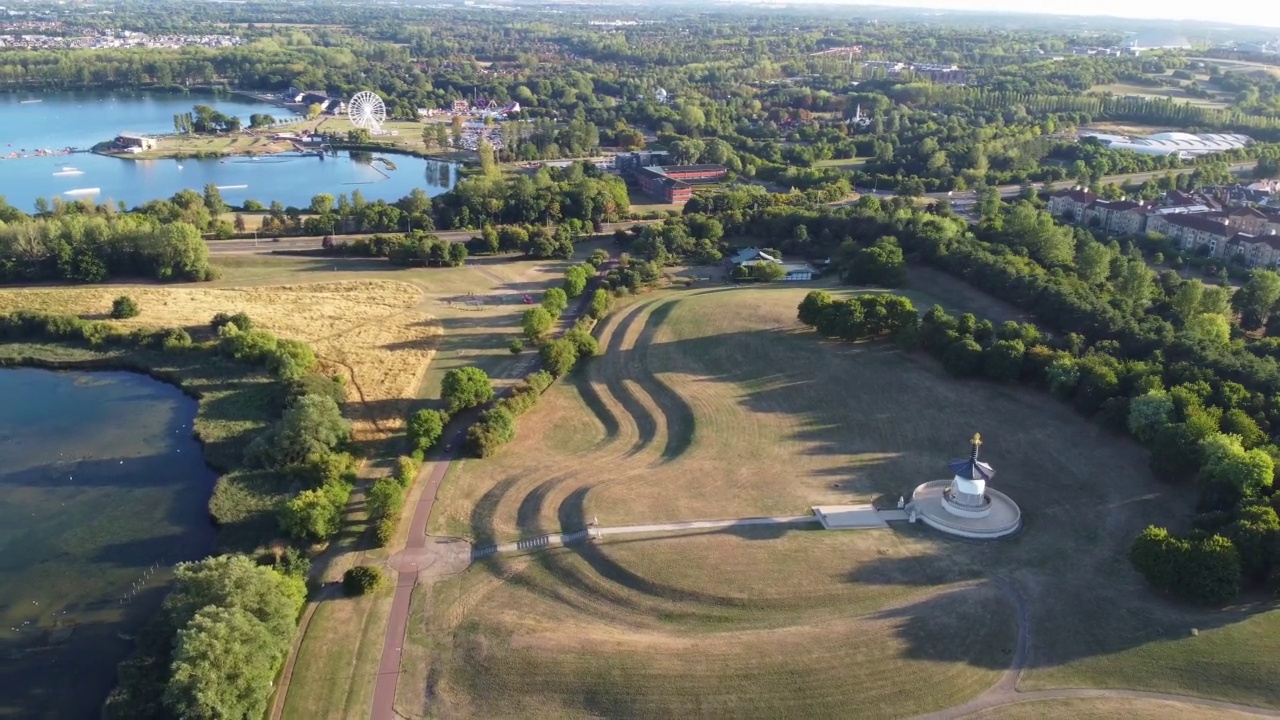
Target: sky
{"x": 1265, "y": 13}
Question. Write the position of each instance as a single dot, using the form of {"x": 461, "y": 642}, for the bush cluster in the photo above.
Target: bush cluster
{"x": 417, "y": 249}
{"x": 124, "y": 307}
{"x": 362, "y": 580}
{"x": 496, "y": 426}
{"x": 857, "y": 318}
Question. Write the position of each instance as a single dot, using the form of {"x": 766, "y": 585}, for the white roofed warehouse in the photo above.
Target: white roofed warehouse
{"x": 1179, "y": 144}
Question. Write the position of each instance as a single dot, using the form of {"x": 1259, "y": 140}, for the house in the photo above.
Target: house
{"x": 1116, "y": 217}
{"x": 1248, "y": 220}
{"x": 750, "y": 257}
{"x": 1070, "y": 204}
{"x": 1254, "y": 250}
{"x": 1192, "y": 232}
{"x": 135, "y": 142}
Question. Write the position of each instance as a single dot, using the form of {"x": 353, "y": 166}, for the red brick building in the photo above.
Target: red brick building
{"x": 674, "y": 183}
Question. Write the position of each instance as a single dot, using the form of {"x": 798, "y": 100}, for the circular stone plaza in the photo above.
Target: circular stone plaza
{"x": 965, "y": 506}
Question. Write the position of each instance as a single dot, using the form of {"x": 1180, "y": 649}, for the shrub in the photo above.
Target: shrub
{"x": 362, "y": 580}
{"x": 385, "y": 530}
{"x": 407, "y": 469}
{"x": 516, "y": 346}
{"x": 584, "y": 341}
{"x": 1202, "y": 569}
{"x": 241, "y": 320}
{"x": 385, "y": 497}
{"x": 124, "y": 307}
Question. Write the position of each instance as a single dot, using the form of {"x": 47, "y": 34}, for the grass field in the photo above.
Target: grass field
{"x": 715, "y": 403}
{"x": 185, "y": 145}
{"x": 1143, "y": 91}
{"x": 843, "y": 164}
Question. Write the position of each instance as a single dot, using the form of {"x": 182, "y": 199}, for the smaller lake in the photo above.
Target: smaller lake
{"x": 104, "y": 488}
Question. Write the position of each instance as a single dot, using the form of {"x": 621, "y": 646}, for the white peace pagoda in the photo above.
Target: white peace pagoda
{"x": 965, "y": 506}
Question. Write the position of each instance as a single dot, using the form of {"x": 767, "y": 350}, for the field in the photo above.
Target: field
{"x": 1106, "y": 709}
{"x": 174, "y": 146}
{"x": 714, "y": 403}
{"x": 373, "y": 333}
{"x": 1144, "y": 91}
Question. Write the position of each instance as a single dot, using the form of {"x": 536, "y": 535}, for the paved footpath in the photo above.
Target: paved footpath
{"x": 417, "y": 553}
{"x": 384, "y": 691}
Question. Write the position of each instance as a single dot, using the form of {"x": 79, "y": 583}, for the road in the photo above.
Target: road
{"x": 295, "y": 244}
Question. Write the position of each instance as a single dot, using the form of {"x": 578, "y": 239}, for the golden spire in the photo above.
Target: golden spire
{"x": 977, "y": 438}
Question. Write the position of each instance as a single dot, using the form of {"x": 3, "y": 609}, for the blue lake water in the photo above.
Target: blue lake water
{"x": 67, "y": 119}
{"x": 101, "y": 481}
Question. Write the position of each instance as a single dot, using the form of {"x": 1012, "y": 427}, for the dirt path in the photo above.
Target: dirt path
{"x": 1005, "y": 692}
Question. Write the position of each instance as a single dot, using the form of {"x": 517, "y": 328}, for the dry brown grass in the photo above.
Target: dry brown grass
{"x": 1105, "y": 709}
{"x": 370, "y": 331}
{"x": 716, "y": 403}
{"x": 664, "y": 628}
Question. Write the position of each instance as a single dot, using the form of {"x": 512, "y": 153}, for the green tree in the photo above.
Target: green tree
{"x": 1149, "y": 413}
{"x": 1003, "y": 360}
{"x": 213, "y": 200}
{"x": 321, "y": 204}
{"x": 559, "y": 356}
{"x": 1186, "y": 300}
{"x": 815, "y": 304}
{"x": 362, "y": 580}
{"x": 555, "y": 300}
{"x": 466, "y": 387}
{"x": 963, "y": 358}
{"x": 311, "y": 515}
{"x": 236, "y": 581}
{"x": 767, "y": 272}
{"x": 1256, "y": 300}
{"x": 575, "y": 280}
{"x": 601, "y": 303}
{"x": 224, "y": 661}
{"x": 488, "y": 161}
{"x": 310, "y": 426}
{"x": 424, "y": 429}
{"x": 385, "y": 497}
{"x": 1256, "y": 536}
{"x": 1210, "y": 328}
{"x": 880, "y": 264}
{"x": 536, "y": 322}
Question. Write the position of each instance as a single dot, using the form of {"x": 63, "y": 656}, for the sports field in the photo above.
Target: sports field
{"x": 715, "y": 403}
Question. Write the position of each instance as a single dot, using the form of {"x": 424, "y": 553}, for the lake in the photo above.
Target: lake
{"x": 81, "y": 119}
{"x": 104, "y": 489}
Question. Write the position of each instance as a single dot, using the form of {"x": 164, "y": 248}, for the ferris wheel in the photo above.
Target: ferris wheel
{"x": 366, "y": 110}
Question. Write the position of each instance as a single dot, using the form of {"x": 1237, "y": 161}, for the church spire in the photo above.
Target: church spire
{"x": 976, "y": 443}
